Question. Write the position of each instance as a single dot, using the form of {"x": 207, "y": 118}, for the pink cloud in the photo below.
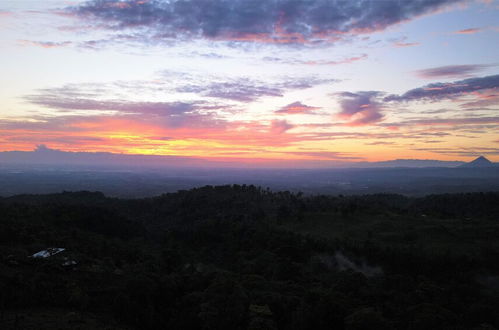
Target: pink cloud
{"x": 468, "y": 31}
{"x": 297, "y": 108}
{"x": 280, "y": 126}
{"x": 406, "y": 44}
{"x": 402, "y": 42}
{"x": 484, "y": 99}
{"x": 45, "y": 44}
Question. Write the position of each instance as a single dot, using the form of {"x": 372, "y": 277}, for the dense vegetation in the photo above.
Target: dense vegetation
{"x": 241, "y": 257}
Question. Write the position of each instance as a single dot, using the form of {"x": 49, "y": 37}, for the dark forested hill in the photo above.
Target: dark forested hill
{"x": 241, "y": 257}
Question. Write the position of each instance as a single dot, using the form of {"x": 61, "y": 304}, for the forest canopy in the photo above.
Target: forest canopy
{"x": 244, "y": 257}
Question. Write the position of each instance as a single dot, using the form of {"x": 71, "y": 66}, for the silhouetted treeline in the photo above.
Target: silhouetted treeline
{"x": 243, "y": 257}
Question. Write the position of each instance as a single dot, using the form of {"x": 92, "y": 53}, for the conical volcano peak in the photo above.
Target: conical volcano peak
{"x": 479, "y": 162}
{"x": 482, "y": 159}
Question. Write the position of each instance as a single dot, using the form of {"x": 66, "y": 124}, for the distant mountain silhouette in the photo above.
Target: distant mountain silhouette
{"x": 43, "y": 155}
{"x": 408, "y": 163}
{"x": 479, "y": 162}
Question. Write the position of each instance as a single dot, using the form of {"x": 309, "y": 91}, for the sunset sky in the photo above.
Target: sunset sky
{"x": 252, "y": 80}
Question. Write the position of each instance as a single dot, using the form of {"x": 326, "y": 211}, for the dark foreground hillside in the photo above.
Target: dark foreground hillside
{"x": 239, "y": 257}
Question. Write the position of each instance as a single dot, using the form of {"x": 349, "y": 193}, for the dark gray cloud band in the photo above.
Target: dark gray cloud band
{"x": 439, "y": 91}
{"x": 274, "y": 21}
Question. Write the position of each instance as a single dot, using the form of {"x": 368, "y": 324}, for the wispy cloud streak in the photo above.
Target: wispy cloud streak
{"x": 347, "y": 60}
{"x": 468, "y": 31}
{"x": 45, "y": 44}
{"x": 452, "y": 71}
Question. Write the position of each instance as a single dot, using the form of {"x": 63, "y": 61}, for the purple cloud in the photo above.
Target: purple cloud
{"x": 167, "y": 114}
{"x": 249, "y": 90}
{"x": 66, "y": 103}
{"x": 271, "y": 21}
{"x": 69, "y": 140}
{"x": 104, "y": 96}
{"x": 451, "y": 71}
{"x": 361, "y": 108}
{"x": 439, "y": 91}
{"x": 484, "y": 102}
{"x": 297, "y": 108}
{"x": 242, "y": 91}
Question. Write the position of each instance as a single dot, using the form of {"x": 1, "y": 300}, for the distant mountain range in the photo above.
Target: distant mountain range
{"x": 43, "y": 155}
{"x": 418, "y": 163}
{"x": 413, "y": 163}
